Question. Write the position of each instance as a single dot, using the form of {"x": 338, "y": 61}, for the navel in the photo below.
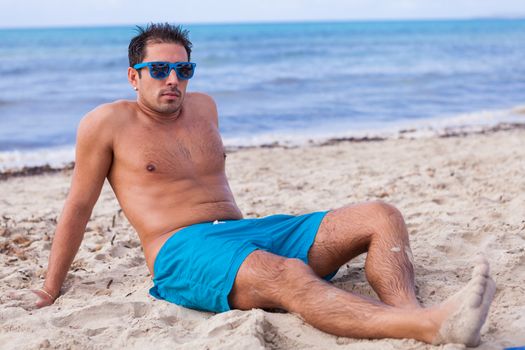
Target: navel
{"x": 151, "y": 167}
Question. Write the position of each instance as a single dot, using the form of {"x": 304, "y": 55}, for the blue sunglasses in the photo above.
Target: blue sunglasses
{"x": 161, "y": 70}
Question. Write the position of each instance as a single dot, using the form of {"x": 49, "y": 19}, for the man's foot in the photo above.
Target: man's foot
{"x": 462, "y": 315}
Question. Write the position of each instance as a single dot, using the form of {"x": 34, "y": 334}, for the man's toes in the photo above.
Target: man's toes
{"x": 490, "y": 291}
{"x": 475, "y": 300}
{"x": 482, "y": 295}
{"x": 477, "y": 290}
{"x": 480, "y": 259}
{"x": 478, "y": 282}
{"x": 481, "y": 270}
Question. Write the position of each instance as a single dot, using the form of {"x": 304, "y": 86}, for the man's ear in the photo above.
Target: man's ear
{"x": 133, "y": 77}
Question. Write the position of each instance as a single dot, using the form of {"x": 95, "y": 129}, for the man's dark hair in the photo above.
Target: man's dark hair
{"x": 156, "y": 33}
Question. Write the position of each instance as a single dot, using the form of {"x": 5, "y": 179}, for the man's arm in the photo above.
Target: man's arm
{"x": 93, "y": 159}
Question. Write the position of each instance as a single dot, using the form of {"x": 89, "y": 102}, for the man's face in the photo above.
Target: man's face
{"x": 161, "y": 96}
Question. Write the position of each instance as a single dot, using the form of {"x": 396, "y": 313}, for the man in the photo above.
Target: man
{"x": 165, "y": 161}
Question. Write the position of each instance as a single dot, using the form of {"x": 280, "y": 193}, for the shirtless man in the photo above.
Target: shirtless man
{"x": 164, "y": 159}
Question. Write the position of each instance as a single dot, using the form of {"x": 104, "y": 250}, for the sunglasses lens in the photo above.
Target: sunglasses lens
{"x": 185, "y": 70}
{"x": 159, "y": 70}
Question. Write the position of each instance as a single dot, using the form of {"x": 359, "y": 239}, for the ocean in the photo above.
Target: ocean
{"x": 284, "y": 83}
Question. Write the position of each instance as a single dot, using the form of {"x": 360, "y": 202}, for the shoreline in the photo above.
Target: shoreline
{"x": 403, "y": 134}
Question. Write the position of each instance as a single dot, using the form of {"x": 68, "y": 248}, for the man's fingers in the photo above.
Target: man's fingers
{"x": 43, "y": 298}
{"x": 41, "y": 303}
{"x": 21, "y": 298}
{"x": 18, "y": 294}
{"x": 29, "y": 299}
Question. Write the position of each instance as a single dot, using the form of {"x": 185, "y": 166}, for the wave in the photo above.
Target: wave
{"x": 438, "y": 126}
{"x": 56, "y": 157}
{"x": 5, "y": 103}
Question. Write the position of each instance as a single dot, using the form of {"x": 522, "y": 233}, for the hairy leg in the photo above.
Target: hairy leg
{"x": 266, "y": 280}
{"x": 376, "y": 228}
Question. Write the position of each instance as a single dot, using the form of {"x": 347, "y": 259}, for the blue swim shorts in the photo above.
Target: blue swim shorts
{"x": 197, "y": 266}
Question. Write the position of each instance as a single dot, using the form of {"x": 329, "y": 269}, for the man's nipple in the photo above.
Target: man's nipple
{"x": 151, "y": 167}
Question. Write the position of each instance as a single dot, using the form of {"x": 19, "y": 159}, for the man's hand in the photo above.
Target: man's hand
{"x": 44, "y": 298}
{"x": 31, "y": 299}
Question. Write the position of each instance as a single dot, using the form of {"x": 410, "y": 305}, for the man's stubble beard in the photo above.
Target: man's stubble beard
{"x": 170, "y": 108}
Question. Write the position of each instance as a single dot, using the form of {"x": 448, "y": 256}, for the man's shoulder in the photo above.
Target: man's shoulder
{"x": 112, "y": 109}
{"x": 201, "y": 98}
{"x": 203, "y": 105}
{"x": 109, "y": 113}
{"x": 104, "y": 120}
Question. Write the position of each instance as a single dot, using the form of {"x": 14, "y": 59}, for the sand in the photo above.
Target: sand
{"x": 459, "y": 195}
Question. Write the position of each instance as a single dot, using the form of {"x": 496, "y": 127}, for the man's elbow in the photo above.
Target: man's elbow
{"x": 80, "y": 207}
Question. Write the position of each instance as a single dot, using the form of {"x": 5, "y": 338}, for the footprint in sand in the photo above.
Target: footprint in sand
{"x": 102, "y": 316}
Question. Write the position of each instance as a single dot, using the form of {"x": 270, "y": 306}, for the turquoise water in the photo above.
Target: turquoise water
{"x": 272, "y": 82}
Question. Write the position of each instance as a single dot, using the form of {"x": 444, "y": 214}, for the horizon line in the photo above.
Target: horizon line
{"x": 290, "y": 21}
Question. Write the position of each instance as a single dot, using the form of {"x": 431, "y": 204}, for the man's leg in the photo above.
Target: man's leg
{"x": 265, "y": 280}
{"x": 376, "y": 228}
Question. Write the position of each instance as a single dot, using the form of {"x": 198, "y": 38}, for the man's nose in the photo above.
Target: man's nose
{"x": 172, "y": 78}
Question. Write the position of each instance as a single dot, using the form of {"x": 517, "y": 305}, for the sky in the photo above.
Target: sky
{"x": 57, "y": 13}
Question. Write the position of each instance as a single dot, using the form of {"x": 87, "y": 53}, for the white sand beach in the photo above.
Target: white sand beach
{"x": 460, "y": 196}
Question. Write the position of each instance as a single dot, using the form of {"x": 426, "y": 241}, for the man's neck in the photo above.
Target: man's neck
{"x": 156, "y": 116}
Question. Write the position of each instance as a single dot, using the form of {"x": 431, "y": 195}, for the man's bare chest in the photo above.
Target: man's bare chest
{"x": 185, "y": 153}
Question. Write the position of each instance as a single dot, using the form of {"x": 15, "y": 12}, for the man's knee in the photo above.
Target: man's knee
{"x": 386, "y": 216}
{"x": 294, "y": 280}
{"x": 294, "y": 270}
{"x": 371, "y": 212}
{"x": 288, "y": 274}
{"x": 384, "y": 209}
{"x": 264, "y": 278}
